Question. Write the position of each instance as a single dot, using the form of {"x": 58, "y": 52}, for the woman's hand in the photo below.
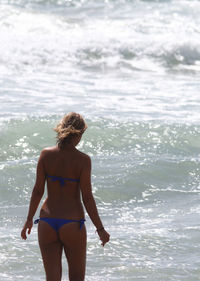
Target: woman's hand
{"x": 104, "y": 236}
{"x": 28, "y": 225}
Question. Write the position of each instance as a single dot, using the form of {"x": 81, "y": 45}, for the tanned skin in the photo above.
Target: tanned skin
{"x": 64, "y": 202}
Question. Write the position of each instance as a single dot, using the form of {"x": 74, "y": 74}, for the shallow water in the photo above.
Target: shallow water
{"x": 132, "y": 69}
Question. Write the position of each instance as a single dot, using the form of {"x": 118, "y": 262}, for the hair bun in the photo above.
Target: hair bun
{"x": 70, "y": 125}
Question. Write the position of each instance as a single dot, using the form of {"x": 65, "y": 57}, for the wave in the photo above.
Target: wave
{"x": 44, "y": 54}
{"x": 80, "y": 2}
{"x": 89, "y": 40}
{"x": 131, "y": 161}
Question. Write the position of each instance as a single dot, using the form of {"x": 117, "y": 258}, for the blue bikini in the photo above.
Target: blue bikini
{"x": 55, "y": 223}
{"x": 61, "y": 179}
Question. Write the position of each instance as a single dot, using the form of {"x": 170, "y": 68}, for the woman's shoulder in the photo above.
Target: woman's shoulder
{"x": 83, "y": 156}
{"x": 48, "y": 150}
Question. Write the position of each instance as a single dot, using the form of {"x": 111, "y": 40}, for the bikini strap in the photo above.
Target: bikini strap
{"x": 36, "y": 221}
{"x": 60, "y": 179}
{"x": 81, "y": 223}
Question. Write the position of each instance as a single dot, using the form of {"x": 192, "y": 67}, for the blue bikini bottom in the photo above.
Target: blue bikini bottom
{"x": 56, "y": 224}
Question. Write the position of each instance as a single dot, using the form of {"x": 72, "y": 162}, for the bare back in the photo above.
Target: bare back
{"x": 63, "y": 201}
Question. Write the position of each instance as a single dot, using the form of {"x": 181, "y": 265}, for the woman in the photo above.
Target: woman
{"x": 61, "y": 224}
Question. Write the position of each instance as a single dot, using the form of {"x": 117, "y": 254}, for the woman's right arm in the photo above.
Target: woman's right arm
{"x": 36, "y": 196}
{"x": 89, "y": 202}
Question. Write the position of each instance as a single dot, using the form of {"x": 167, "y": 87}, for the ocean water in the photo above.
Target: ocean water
{"x": 132, "y": 68}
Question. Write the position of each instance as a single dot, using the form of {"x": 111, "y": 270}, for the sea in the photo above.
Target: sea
{"x": 132, "y": 69}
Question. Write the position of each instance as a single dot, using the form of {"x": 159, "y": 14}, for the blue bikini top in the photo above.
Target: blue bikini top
{"x": 61, "y": 179}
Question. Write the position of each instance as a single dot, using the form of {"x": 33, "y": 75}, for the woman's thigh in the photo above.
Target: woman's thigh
{"x": 74, "y": 241}
{"x": 51, "y": 250}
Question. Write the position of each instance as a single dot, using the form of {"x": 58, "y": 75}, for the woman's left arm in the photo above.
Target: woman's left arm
{"x": 36, "y": 196}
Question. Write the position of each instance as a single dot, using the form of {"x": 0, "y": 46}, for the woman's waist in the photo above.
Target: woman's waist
{"x": 72, "y": 210}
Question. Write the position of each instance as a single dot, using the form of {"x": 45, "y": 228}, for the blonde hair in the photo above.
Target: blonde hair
{"x": 71, "y": 125}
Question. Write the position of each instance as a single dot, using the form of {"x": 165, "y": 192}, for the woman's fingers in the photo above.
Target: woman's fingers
{"x": 104, "y": 237}
{"x": 28, "y": 226}
{"x": 29, "y": 230}
{"x": 23, "y": 234}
